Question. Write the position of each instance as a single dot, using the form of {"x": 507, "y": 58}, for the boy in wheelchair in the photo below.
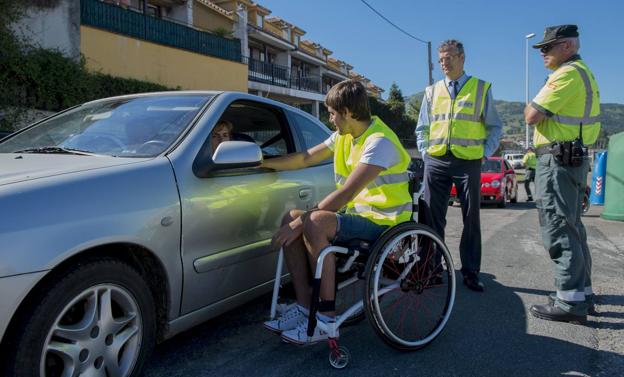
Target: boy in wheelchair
{"x": 371, "y": 195}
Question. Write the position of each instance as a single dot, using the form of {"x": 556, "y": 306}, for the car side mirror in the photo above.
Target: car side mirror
{"x": 237, "y": 154}
{"x": 228, "y": 155}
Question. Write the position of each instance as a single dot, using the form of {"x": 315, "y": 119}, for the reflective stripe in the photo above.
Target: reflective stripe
{"x": 465, "y": 104}
{"x": 467, "y": 142}
{"x": 438, "y": 141}
{"x": 571, "y": 295}
{"x": 389, "y": 179}
{"x": 589, "y": 98}
{"x": 477, "y": 114}
{"x": 456, "y": 116}
{"x": 386, "y": 212}
{"x": 380, "y": 180}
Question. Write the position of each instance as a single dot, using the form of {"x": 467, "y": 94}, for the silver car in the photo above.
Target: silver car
{"x": 121, "y": 227}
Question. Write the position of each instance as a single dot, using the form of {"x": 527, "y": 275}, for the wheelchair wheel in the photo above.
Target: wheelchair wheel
{"x": 410, "y": 286}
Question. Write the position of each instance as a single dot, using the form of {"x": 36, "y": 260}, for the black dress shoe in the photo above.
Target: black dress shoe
{"x": 472, "y": 282}
{"x": 591, "y": 306}
{"x": 555, "y": 313}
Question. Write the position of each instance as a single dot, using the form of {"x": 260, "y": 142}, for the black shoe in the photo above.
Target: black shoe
{"x": 591, "y": 307}
{"x": 555, "y": 313}
{"x": 530, "y": 199}
{"x": 472, "y": 281}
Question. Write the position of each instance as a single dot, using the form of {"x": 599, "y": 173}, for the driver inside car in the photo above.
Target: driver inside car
{"x": 221, "y": 132}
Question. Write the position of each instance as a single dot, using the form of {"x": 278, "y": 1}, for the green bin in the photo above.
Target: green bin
{"x": 614, "y": 182}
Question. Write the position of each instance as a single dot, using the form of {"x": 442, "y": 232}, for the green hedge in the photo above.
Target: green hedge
{"x": 46, "y": 80}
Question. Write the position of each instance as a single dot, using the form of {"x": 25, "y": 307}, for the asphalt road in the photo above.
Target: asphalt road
{"x": 489, "y": 334}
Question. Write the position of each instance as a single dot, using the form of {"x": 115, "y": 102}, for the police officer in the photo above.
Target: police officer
{"x": 566, "y": 109}
{"x": 457, "y": 127}
{"x": 529, "y": 161}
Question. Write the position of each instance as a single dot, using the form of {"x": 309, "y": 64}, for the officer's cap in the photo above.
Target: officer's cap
{"x": 553, "y": 33}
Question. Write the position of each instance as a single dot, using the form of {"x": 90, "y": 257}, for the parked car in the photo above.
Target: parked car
{"x": 120, "y": 227}
{"x": 498, "y": 183}
{"x": 515, "y": 160}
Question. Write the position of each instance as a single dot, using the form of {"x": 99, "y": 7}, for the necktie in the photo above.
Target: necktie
{"x": 453, "y": 89}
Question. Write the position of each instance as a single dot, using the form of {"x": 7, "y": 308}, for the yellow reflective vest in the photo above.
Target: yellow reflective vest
{"x": 571, "y": 95}
{"x": 386, "y": 200}
{"x": 458, "y": 123}
{"x": 530, "y": 160}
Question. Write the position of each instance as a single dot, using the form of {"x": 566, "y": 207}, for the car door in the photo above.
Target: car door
{"x": 229, "y": 217}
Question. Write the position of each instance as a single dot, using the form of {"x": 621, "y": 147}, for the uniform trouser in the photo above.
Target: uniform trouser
{"x": 440, "y": 173}
{"x": 528, "y": 178}
{"x": 559, "y": 190}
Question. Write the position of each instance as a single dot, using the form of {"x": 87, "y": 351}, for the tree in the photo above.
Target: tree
{"x": 395, "y": 99}
{"x": 413, "y": 107}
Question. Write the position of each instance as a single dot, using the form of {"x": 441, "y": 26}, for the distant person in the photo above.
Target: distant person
{"x": 221, "y": 132}
{"x": 457, "y": 127}
{"x": 529, "y": 161}
{"x": 566, "y": 109}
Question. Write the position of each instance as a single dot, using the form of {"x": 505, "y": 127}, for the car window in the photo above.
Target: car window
{"x": 491, "y": 166}
{"x": 262, "y": 124}
{"x": 507, "y": 166}
{"x": 124, "y": 127}
{"x": 311, "y": 133}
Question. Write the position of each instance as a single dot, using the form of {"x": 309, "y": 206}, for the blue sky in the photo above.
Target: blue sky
{"x": 492, "y": 32}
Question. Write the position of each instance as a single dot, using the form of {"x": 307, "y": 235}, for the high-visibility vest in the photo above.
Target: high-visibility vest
{"x": 386, "y": 200}
{"x": 583, "y": 106}
{"x": 458, "y": 123}
{"x": 530, "y": 160}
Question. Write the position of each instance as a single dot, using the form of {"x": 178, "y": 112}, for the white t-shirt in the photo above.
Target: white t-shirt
{"x": 379, "y": 152}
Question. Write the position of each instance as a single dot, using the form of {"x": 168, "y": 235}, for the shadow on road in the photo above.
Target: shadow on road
{"x": 486, "y": 336}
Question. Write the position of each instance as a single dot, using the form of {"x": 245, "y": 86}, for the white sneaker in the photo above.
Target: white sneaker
{"x": 299, "y": 335}
{"x": 287, "y": 321}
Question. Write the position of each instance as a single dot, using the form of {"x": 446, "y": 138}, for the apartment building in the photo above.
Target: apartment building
{"x": 196, "y": 44}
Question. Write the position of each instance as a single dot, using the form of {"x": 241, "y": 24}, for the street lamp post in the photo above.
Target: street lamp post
{"x": 526, "y": 83}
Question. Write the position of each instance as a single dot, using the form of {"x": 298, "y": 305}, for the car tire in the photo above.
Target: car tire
{"x": 503, "y": 202}
{"x": 98, "y": 316}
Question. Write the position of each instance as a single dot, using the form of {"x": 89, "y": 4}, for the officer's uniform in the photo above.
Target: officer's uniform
{"x": 457, "y": 125}
{"x": 569, "y": 98}
{"x": 530, "y": 162}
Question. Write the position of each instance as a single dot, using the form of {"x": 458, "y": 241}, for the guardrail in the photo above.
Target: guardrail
{"x": 138, "y": 25}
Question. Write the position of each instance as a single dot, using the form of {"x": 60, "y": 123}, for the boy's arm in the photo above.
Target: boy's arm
{"x": 299, "y": 160}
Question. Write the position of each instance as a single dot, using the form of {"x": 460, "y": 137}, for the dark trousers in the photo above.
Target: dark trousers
{"x": 528, "y": 177}
{"x": 440, "y": 173}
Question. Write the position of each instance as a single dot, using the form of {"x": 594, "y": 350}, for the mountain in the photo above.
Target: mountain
{"x": 512, "y": 116}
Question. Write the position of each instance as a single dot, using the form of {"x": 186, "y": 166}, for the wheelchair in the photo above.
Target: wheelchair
{"x": 403, "y": 283}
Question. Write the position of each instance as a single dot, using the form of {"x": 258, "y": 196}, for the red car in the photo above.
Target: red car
{"x": 498, "y": 183}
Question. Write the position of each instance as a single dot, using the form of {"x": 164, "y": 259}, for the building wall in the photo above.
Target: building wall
{"x": 53, "y": 28}
{"x": 123, "y": 56}
{"x": 207, "y": 19}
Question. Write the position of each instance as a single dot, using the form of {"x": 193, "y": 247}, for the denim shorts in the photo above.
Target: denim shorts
{"x": 352, "y": 226}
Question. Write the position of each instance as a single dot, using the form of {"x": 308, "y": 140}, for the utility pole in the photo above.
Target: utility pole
{"x": 430, "y": 63}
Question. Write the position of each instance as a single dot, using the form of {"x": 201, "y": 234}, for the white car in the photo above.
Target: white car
{"x": 515, "y": 160}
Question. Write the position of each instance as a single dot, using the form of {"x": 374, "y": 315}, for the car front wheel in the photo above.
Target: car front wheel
{"x": 98, "y": 319}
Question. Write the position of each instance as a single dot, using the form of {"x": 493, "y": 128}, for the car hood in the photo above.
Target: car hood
{"x": 18, "y": 167}
{"x": 488, "y": 177}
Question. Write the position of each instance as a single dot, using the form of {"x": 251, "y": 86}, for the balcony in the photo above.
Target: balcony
{"x": 137, "y": 25}
{"x": 280, "y": 75}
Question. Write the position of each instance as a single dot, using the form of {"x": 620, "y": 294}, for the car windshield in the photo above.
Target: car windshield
{"x": 123, "y": 127}
{"x": 491, "y": 166}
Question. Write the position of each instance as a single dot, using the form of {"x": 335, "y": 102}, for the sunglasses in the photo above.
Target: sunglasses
{"x": 549, "y": 47}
